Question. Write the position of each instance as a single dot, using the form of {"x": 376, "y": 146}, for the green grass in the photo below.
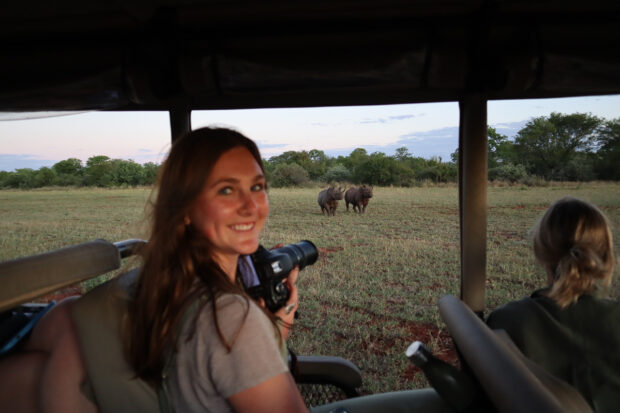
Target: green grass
{"x": 379, "y": 276}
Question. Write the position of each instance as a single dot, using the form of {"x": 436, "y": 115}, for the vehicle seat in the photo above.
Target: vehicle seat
{"x": 512, "y": 382}
{"x": 98, "y": 317}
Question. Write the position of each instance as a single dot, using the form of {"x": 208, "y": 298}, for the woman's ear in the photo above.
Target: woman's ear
{"x": 187, "y": 221}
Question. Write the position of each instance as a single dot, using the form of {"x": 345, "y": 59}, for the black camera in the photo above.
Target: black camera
{"x": 272, "y": 266}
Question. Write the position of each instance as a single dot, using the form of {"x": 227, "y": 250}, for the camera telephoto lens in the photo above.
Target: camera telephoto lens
{"x": 304, "y": 253}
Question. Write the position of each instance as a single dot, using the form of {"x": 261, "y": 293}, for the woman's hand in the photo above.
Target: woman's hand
{"x": 287, "y": 313}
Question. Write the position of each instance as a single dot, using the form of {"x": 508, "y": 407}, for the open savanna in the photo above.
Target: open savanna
{"x": 379, "y": 275}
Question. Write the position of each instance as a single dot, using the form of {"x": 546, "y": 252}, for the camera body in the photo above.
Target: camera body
{"x": 273, "y": 266}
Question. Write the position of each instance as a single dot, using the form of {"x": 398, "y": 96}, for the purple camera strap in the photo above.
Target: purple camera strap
{"x": 247, "y": 271}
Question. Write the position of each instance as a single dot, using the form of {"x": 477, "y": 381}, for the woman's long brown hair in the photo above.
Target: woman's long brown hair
{"x": 176, "y": 255}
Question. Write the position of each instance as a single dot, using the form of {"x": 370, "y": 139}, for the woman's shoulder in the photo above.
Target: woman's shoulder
{"x": 540, "y": 307}
{"x": 234, "y": 312}
{"x": 518, "y": 310}
{"x": 231, "y": 303}
{"x": 604, "y": 307}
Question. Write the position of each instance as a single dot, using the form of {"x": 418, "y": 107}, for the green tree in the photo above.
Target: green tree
{"x": 3, "y": 177}
{"x": 71, "y": 166}
{"x": 379, "y": 169}
{"x": 547, "y": 145}
{"x": 358, "y": 155}
{"x": 608, "y": 164}
{"x": 353, "y": 161}
{"x": 68, "y": 172}
{"x": 402, "y": 154}
{"x": 289, "y": 175}
{"x": 98, "y": 171}
{"x": 149, "y": 175}
{"x": 318, "y": 165}
{"x": 44, "y": 177}
{"x": 317, "y": 156}
{"x": 23, "y": 178}
{"x": 500, "y": 149}
{"x": 337, "y": 173}
{"x": 436, "y": 170}
{"x": 508, "y": 171}
{"x": 126, "y": 172}
{"x": 301, "y": 158}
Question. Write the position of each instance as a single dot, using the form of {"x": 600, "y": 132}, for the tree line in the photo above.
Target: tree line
{"x": 559, "y": 147}
{"x": 575, "y": 147}
{"x": 98, "y": 171}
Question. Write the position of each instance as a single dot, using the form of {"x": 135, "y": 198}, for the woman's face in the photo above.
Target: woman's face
{"x": 233, "y": 206}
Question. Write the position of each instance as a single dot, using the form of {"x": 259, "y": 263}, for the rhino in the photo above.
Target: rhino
{"x": 358, "y": 197}
{"x": 328, "y": 200}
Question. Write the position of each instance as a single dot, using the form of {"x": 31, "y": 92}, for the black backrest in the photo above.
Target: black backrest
{"x": 512, "y": 382}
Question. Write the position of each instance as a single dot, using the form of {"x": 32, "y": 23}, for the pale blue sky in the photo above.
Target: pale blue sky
{"x": 425, "y": 129}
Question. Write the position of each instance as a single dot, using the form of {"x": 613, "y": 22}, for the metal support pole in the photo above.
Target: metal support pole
{"x": 473, "y": 199}
{"x": 180, "y": 122}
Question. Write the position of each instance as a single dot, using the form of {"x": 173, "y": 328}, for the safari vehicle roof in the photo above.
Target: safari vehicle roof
{"x": 179, "y": 55}
{"x": 215, "y": 54}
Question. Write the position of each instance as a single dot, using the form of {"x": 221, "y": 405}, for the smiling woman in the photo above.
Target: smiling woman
{"x": 192, "y": 330}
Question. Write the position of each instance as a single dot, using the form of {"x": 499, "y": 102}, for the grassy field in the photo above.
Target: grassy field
{"x": 379, "y": 275}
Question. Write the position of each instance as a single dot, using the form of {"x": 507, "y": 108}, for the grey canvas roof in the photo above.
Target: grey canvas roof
{"x": 201, "y": 54}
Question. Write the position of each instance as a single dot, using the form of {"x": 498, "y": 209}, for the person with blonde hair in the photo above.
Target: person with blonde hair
{"x": 570, "y": 328}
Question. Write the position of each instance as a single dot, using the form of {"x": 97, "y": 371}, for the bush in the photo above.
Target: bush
{"x": 289, "y": 175}
{"x": 126, "y": 173}
{"x": 68, "y": 180}
{"x": 579, "y": 168}
{"x": 337, "y": 173}
{"x": 98, "y": 171}
{"x": 428, "y": 174}
{"x": 44, "y": 177}
{"x": 22, "y": 178}
{"x": 508, "y": 172}
{"x": 150, "y": 173}
{"x": 533, "y": 180}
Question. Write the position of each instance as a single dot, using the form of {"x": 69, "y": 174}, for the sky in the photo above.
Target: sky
{"x": 427, "y": 130}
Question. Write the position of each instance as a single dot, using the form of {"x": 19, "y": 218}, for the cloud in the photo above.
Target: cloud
{"x": 272, "y": 145}
{"x": 389, "y": 119}
{"x": 402, "y": 117}
{"x": 378, "y": 120}
{"x": 11, "y": 162}
{"x": 438, "y": 142}
{"x": 509, "y": 129}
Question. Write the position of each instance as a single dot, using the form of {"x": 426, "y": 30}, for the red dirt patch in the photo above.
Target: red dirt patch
{"x": 429, "y": 333}
{"x": 326, "y": 251}
{"x": 509, "y": 234}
